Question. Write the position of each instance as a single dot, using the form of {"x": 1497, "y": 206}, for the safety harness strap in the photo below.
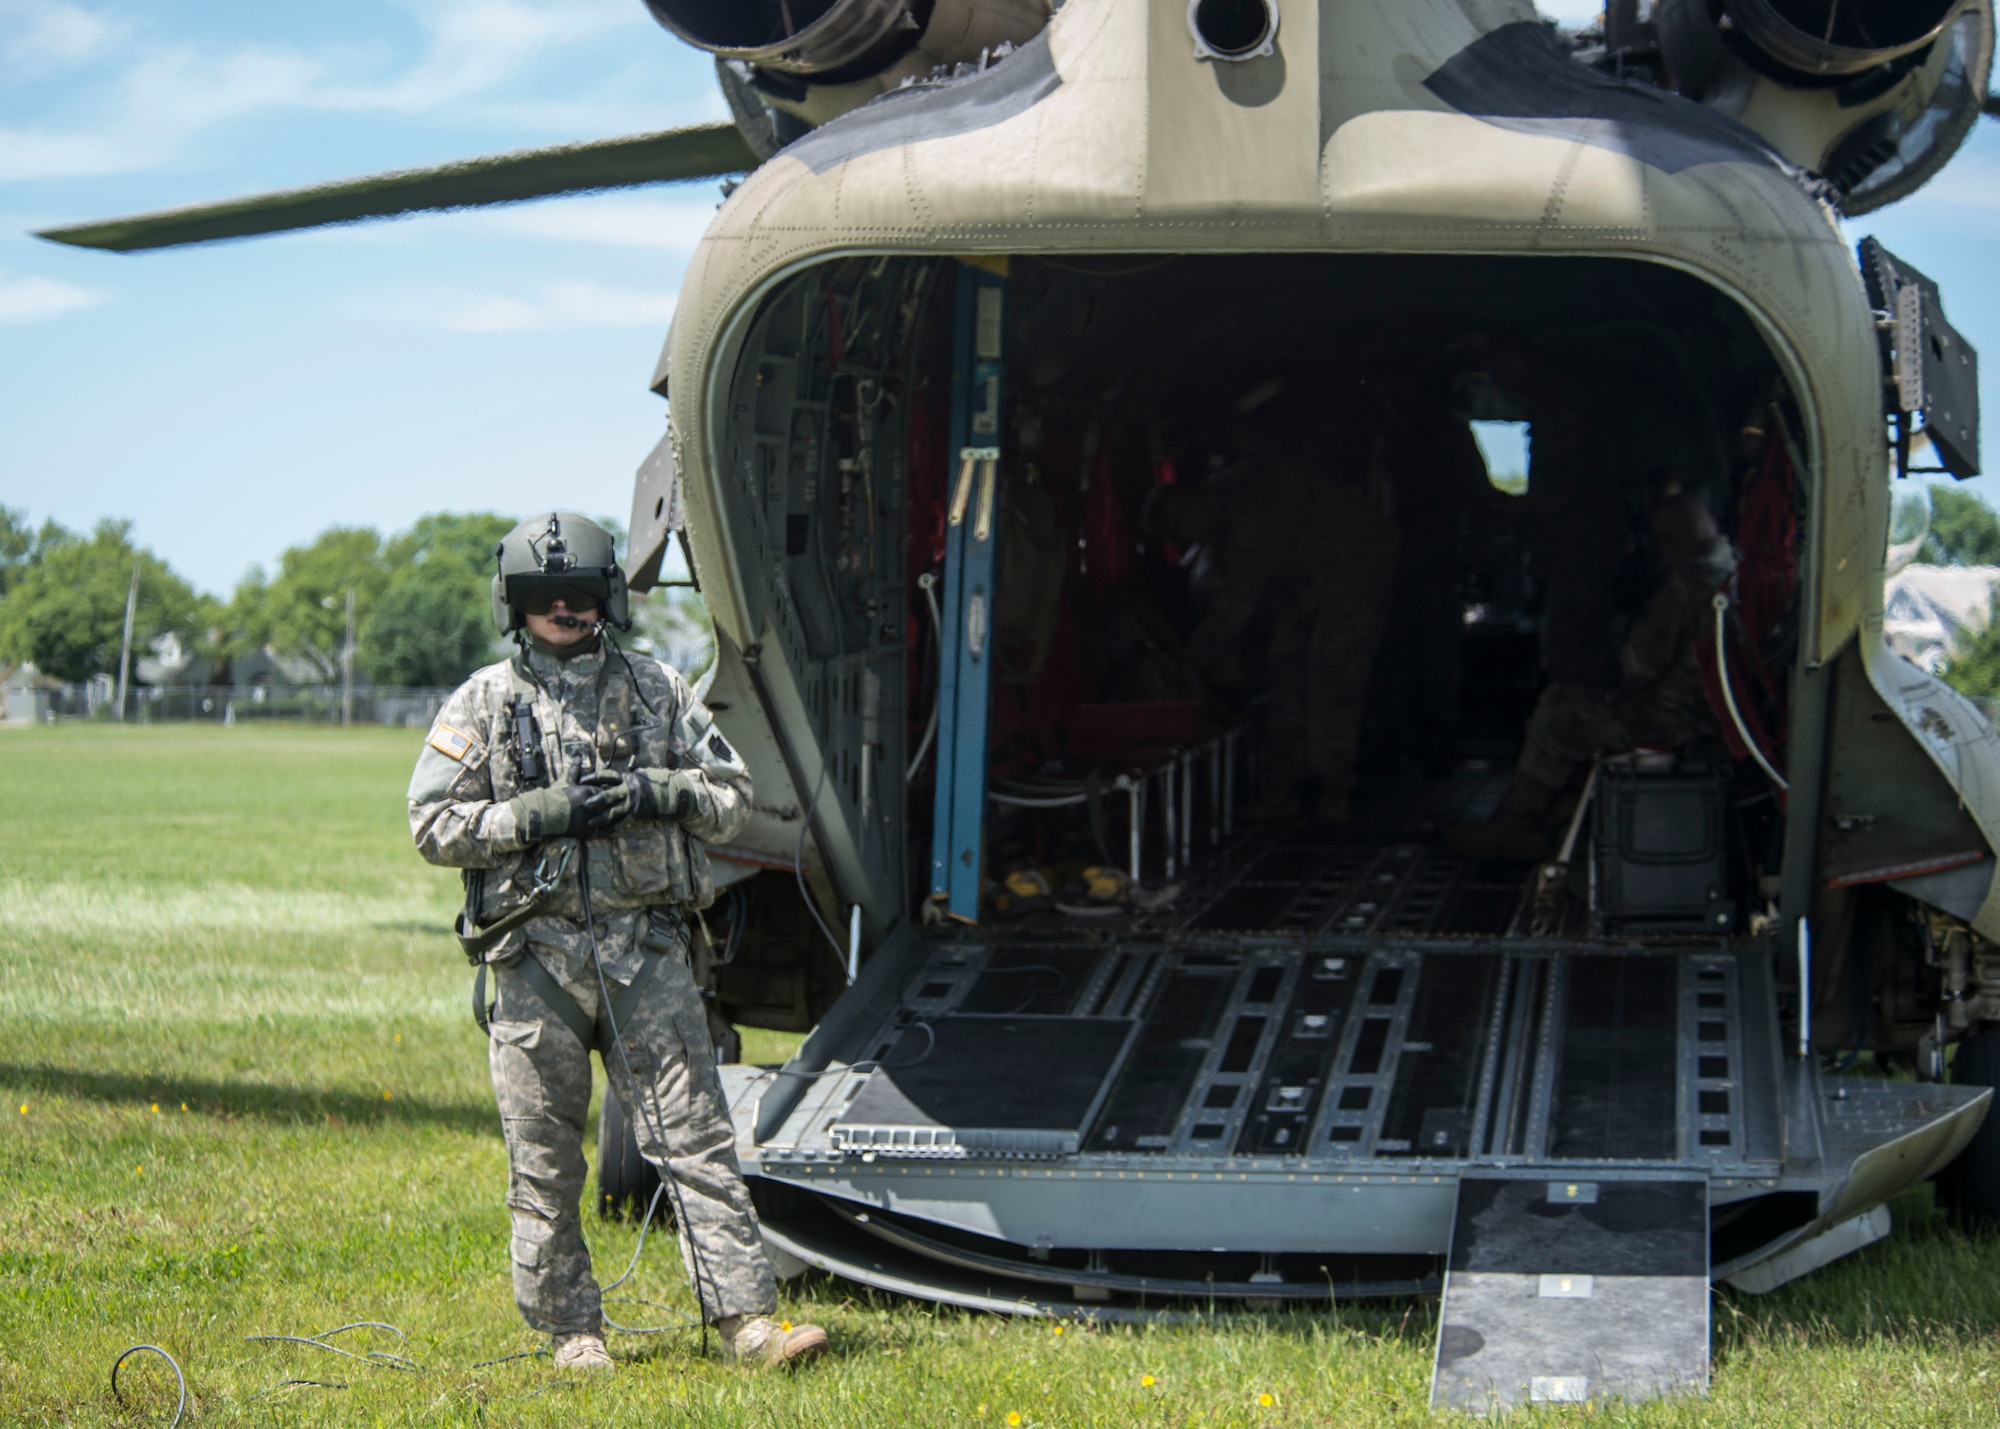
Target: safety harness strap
{"x": 560, "y": 1002}
{"x": 623, "y": 999}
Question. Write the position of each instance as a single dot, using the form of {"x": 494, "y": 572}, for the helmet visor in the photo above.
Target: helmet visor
{"x": 537, "y": 595}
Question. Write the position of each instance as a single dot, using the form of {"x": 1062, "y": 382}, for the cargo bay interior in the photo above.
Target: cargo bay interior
{"x": 1000, "y": 505}
{"x": 1162, "y": 693}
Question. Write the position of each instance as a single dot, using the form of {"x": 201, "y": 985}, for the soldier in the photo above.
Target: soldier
{"x": 1658, "y": 703}
{"x": 1307, "y": 540}
{"x": 574, "y": 785}
{"x": 1576, "y": 522}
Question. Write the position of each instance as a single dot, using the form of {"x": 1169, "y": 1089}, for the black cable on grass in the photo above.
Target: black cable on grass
{"x": 645, "y": 1229}
{"x": 644, "y": 1096}
{"x": 319, "y": 1342}
{"x": 283, "y": 1385}
{"x": 509, "y": 1359}
{"x": 180, "y": 1405}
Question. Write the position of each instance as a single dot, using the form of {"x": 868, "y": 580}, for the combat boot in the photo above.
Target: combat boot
{"x": 760, "y": 1340}
{"x": 1514, "y": 836}
{"x": 582, "y": 1350}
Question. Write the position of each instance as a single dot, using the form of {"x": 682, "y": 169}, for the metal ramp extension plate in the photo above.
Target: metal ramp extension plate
{"x": 1562, "y": 1291}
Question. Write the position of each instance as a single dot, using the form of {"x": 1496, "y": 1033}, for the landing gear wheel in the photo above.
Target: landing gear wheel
{"x": 1970, "y": 1186}
{"x": 626, "y": 1180}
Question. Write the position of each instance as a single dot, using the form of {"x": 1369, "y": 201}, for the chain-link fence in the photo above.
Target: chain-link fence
{"x": 224, "y": 704}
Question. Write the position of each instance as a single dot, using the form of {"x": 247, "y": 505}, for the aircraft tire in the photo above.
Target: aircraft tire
{"x": 625, "y": 1179}
{"x": 1970, "y": 1186}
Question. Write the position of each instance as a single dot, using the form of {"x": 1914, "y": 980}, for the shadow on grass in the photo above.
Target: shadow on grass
{"x": 254, "y": 1099}
{"x": 413, "y": 927}
{"x": 1928, "y": 1282}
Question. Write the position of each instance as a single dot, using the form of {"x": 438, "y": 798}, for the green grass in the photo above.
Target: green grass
{"x": 255, "y": 1104}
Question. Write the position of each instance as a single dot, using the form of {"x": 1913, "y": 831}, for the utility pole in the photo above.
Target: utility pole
{"x": 125, "y": 645}
{"x": 347, "y": 666}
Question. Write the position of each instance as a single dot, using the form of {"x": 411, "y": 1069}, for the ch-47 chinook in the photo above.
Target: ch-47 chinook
{"x": 1001, "y": 268}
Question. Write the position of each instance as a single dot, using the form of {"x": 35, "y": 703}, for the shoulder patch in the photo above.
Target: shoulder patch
{"x": 719, "y": 747}
{"x": 449, "y": 742}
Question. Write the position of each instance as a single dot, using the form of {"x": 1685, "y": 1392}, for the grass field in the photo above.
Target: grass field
{"x": 243, "y": 1096}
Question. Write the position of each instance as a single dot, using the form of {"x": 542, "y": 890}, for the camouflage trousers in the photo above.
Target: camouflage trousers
{"x": 1321, "y": 658}
{"x": 672, "y": 1100}
{"x": 1575, "y": 723}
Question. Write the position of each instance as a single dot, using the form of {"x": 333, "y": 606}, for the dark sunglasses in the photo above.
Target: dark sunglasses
{"x": 538, "y": 596}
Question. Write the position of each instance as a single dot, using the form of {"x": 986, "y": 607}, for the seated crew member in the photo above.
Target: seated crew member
{"x": 1659, "y": 701}
{"x": 574, "y": 784}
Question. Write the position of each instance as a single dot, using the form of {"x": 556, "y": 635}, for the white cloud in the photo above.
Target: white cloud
{"x": 42, "y": 35}
{"x": 672, "y": 225}
{"x": 667, "y": 225}
{"x": 1572, "y": 14}
{"x": 164, "y": 99}
{"x": 1969, "y": 187}
{"x": 35, "y": 299}
{"x": 476, "y": 45}
{"x": 557, "y": 306}
{"x": 161, "y": 97}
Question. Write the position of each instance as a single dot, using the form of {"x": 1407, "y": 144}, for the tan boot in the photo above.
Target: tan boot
{"x": 582, "y": 1350}
{"x": 760, "y": 1340}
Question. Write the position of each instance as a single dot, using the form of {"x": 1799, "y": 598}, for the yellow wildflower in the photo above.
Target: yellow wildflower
{"x": 1145, "y": 1381}
{"x": 1265, "y": 1400}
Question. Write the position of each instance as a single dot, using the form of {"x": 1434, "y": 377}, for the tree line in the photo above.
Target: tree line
{"x": 421, "y": 603}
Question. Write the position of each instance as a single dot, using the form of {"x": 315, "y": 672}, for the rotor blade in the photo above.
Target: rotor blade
{"x": 1992, "y": 106}
{"x": 700, "y": 152}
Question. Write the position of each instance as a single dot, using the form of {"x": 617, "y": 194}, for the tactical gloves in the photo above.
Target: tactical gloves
{"x": 549, "y": 813}
{"x": 665, "y": 794}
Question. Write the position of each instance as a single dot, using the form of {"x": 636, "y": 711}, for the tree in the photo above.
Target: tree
{"x": 21, "y": 546}
{"x": 1974, "y": 666}
{"x": 470, "y": 536}
{"x": 305, "y": 606}
{"x": 432, "y": 625}
{"x": 673, "y": 625}
{"x": 65, "y": 611}
{"x": 1964, "y": 531}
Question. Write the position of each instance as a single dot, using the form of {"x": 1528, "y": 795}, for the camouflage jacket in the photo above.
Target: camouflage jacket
{"x": 603, "y": 710}
{"x": 1660, "y": 662}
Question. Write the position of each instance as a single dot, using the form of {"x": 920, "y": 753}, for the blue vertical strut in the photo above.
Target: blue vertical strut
{"x": 971, "y": 533}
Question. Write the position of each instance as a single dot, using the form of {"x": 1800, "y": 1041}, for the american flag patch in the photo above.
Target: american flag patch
{"x": 449, "y": 742}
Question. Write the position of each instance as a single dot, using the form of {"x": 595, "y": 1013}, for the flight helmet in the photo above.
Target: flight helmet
{"x": 557, "y": 555}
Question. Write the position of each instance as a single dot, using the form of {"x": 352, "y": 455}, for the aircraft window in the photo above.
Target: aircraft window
{"x": 1504, "y": 446}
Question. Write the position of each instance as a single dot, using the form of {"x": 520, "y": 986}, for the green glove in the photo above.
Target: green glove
{"x": 666, "y": 794}
{"x": 547, "y": 813}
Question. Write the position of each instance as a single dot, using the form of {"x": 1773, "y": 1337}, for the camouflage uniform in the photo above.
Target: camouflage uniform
{"x": 1659, "y": 701}
{"x": 600, "y": 710}
{"x": 1324, "y": 554}
{"x": 1578, "y": 540}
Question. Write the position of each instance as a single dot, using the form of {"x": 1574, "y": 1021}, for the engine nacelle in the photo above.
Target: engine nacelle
{"x": 812, "y": 60}
{"x": 1876, "y": 95}
{"x": 1839, "y": 37}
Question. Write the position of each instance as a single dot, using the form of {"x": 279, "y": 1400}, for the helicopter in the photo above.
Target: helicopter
{"x": 990, "y": 275}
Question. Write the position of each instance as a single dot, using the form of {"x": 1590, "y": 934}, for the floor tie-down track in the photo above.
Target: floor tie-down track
{"x": 1055, "y": 1122}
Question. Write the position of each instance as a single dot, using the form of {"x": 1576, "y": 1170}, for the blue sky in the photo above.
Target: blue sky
{"x": 237, "y": 399}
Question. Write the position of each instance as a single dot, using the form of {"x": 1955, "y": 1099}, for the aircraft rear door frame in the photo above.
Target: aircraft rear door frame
{"x": 965, "y": 677}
